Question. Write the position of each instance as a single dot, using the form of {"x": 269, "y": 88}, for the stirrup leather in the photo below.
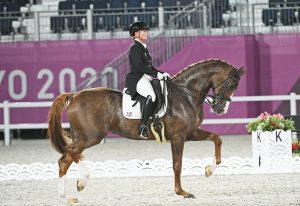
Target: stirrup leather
{"x": 143, "y": 131}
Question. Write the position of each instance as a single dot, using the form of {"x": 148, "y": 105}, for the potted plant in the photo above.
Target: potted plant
{"x": 271, "y": 140}
{"x": 268, "y": 122}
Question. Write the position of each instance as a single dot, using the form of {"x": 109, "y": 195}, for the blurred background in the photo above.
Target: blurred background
{"x": 48, "y": 47}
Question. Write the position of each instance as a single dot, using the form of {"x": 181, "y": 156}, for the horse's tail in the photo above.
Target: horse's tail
{"x": 56, "y": 133}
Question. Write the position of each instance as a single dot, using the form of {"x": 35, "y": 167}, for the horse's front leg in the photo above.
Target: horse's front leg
{"x": 177, "y": 145}
{"x": 198, "y": 135}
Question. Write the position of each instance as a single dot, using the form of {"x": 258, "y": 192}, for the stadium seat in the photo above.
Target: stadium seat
{"x": 269, "y": 17}
{"x": 276, "y": 3}
{"x": 151, "y": 3}
{"x": 133, "y": 3}
{"x": 195, "y": 20}
{"x": 151, "y": 15}
{"x": 216, "y": 18}
{"x": 287, "y": 16}
{"x": 116, "y": 4}
{"x": 293, "y": 3}
{"x": 6, "y": 26}
{"x": 65, "y": 7}
{"x": 169, "y": 3}
{"x": 186, "y": 2}
{"x": 57, "y": 24}
{"x": 100, "y": 20}
{"x": 82, "y": 5}
{"x": 100, "y": 5}
{"x": 221, "y": 5}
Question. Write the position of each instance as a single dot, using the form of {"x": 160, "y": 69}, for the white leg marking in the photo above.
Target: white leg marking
{"x": 61, "y": 186}
{"x": 85, "y": 175}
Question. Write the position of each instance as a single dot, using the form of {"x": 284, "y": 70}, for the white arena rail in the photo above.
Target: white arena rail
{"x": 6, "y": 106}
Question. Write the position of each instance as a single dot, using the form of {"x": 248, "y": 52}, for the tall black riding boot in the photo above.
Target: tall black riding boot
{"x": 143, "y": 130}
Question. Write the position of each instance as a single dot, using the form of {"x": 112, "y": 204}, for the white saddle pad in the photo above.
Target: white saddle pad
{"x": 131, "y": 112}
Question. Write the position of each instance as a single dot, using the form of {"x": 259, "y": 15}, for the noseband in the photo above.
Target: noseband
{"x": 216, "y": 98}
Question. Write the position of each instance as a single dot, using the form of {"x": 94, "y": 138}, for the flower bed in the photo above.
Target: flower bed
{"x": 267, "y": 122}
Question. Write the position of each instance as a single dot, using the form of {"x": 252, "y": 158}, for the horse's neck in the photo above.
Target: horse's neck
{"x": 195, "y": 78}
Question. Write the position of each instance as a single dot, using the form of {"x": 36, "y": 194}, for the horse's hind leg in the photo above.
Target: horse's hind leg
{"x": 63, "y": 163}
{"x": 81, "y": 183}
{"x": 78, "y": 147}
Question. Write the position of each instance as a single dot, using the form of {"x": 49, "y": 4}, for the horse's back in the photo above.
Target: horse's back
{"x": 96, "y": 100}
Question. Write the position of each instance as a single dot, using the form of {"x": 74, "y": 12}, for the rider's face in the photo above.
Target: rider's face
{"x": 142, "y": 35}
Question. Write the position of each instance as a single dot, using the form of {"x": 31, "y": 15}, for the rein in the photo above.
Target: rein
{"x": 193, "y": 90}
{"x": 216, "y": 98}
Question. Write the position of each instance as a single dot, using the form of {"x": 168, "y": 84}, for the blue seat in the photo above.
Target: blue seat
{"x": 134, "y": 3}
{"x": 186, "y": 2}
{"x": 151, "y": 3}
{"x": 100, "y": 19}
{"x": 168, "y": 3}
{"x": 65, "y": 7}
{"x": 116, "y": 4}
{"x": 6, "y": 26}
{"x": 100, "y": 4}
{"x": 287, "y": 16}
{"x": 82, "y": 5}
{"x": 216, "y": 18}
{"x": 293, "y": 3}
{"x": 222, "y": 5}
{"x": 269, "y": 17}
{"x": 57, "y": 24}
{"x": 276, "y": 3}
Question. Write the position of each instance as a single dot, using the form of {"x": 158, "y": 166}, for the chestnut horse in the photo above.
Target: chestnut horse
{"x": 93, "y": 113}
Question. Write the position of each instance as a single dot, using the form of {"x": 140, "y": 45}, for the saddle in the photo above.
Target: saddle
{"x": 132, "y": 107}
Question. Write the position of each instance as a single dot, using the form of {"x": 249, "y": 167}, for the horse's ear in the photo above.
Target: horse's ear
{"x": 242, "y": 70}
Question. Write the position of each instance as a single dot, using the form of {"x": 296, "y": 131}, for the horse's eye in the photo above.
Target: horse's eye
{"x": 231, "y": 86}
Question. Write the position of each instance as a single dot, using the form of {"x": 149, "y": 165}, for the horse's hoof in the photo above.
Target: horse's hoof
{"x": 73, "y": 200}
{"x": 80, "y": 186}
{"x": 208, "y": 171}
{"x": 190, "y": 196}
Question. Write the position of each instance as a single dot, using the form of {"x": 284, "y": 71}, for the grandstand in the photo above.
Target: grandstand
{"x": 22, "y": 20}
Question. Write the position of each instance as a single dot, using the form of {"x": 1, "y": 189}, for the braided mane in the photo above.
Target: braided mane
{"x": 209, "y": 61}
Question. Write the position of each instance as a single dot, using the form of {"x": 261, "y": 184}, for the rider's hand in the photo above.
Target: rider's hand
{"x": 160, "y": 76}
{"x": 166, "y": 75}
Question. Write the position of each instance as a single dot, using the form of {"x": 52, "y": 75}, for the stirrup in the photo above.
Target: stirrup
{"x": 143, "y": 131}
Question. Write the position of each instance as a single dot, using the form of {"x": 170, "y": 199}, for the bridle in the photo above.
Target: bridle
{"x": 225, "y": 84}
{"x": 216, "y": 98}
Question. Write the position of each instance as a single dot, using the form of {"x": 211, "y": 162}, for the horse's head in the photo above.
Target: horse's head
{"x": 224, "y": 84}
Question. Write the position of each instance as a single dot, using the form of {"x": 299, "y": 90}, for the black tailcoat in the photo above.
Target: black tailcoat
{"x": 140, "y": 63}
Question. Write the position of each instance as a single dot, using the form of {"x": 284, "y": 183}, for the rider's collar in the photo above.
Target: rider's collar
{"x": 145, "y": 45}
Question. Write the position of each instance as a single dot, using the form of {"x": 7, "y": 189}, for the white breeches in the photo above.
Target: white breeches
{"x": 145, "y": 88}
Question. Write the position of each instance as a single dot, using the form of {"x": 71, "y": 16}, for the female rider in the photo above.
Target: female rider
{"x": 141, "y": 72}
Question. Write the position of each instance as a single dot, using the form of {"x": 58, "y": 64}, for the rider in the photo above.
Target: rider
{"x": 141, "y": 71}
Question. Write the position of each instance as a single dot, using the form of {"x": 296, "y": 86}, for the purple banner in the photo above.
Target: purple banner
{"x": 39, "y": 71}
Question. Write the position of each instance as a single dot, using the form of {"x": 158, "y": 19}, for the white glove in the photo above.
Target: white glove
{"x": 166, "y": 75}
{"x": 160, "y": 76}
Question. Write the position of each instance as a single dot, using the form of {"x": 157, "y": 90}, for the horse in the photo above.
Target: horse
{"x": 93, "y": 113}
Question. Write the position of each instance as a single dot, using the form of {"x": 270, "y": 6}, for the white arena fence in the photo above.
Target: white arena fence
{"x": 7, "y": 106}
{"x": 144, "y": 168}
